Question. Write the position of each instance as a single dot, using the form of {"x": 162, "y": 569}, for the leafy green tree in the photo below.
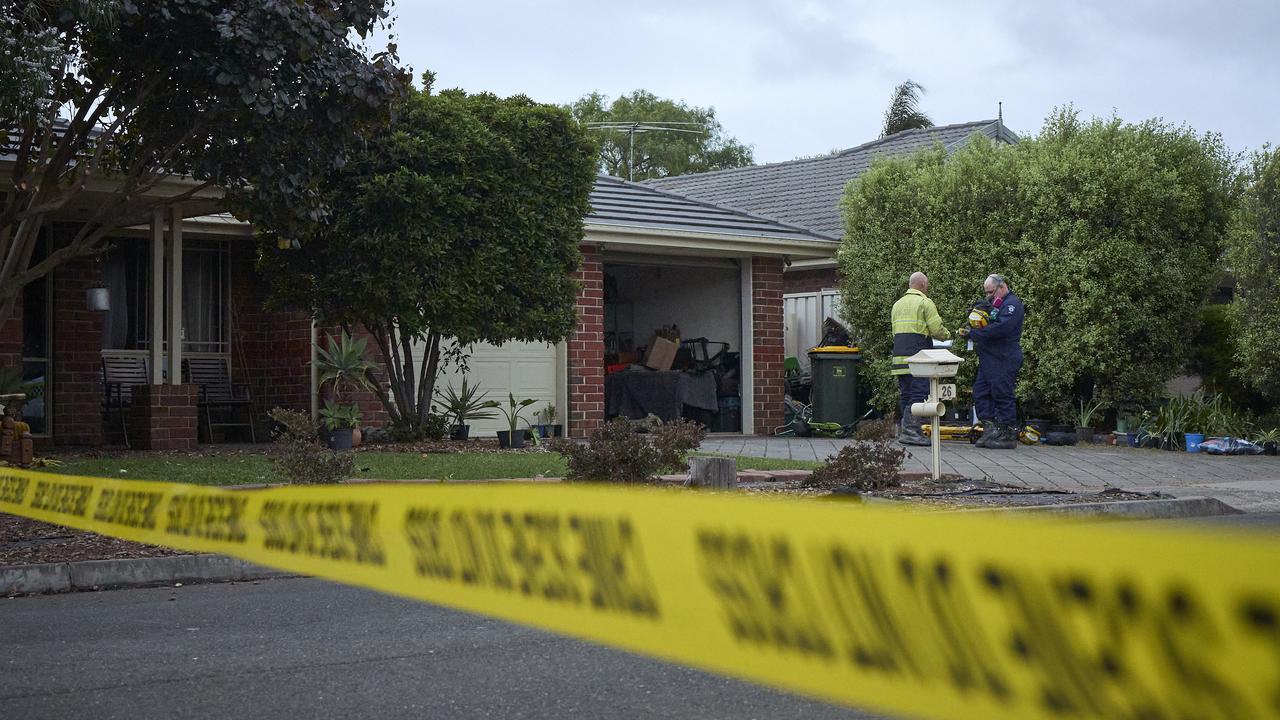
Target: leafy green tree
{"x": 1254, "y": 258}
{"x": 696, "y": 142}
{"x": 1110, "y": 232}
{"x": 458, "y": 223}
{"x": 904, "y": 111}
{"x": 115, "y": 97}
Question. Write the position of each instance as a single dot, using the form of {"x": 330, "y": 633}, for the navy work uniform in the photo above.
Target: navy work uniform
{"x": 999, "y": 359}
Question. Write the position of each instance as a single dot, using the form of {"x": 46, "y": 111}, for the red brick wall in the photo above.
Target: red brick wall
{"x": 271, "y": 350}
{"x": 767, "y": 345}
{"x": 806, "y": 281}
{"x": 163, "y": 417}
{"x": 586, "y": 348}
{"x": 77, "y": 351}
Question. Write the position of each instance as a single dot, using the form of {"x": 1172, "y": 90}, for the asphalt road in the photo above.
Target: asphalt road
{"x": 308, "y": 648}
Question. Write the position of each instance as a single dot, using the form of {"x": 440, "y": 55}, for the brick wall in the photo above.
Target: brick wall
{"x": 77, "y": 351}
{"x": 163, "y": 417}
{"x": 806, "y": 281}
{"x": 586, "y": 348}
{"x": 767, "y": 345}
{"x": 271, "y": 350}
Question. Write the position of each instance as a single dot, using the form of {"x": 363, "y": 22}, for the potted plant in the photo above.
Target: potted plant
{"x": 341, "y": 421}
{"x": 513, "y": 437}
{"x": 1084, "y": 421}
{"x": 546, "y": 425}
{"x": 342, "y": 368}
{"x": 464, "y": 405}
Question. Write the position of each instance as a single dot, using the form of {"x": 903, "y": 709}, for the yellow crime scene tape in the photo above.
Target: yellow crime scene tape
{"x": 947, "y": 616}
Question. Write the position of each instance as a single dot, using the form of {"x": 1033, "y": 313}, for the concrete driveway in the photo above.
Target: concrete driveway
{"x": 1250, "y": 483}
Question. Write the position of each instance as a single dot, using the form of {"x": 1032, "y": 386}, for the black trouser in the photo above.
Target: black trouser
{"x": 911, "y": 389}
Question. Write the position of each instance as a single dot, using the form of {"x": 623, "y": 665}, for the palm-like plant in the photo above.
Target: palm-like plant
{"x": 904, "y": 111}
{"x": 342, "y": 364}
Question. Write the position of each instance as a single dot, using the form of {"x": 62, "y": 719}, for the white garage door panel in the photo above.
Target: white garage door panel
{"x": 526, "y": 370}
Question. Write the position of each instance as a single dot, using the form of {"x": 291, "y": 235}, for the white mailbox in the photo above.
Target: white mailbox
{"x": 936, "y": 363}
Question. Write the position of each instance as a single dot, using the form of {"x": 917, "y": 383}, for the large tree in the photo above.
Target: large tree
{"x": 115, "y": 97}
{"x": 1254, "y": 259}
{"x": 679, "y": 138}
{"x": 458, "y": 223}
{"x": 1110, "y": 232}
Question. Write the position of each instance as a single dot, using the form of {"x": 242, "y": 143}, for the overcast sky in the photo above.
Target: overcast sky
{"x": 800, "y": 77}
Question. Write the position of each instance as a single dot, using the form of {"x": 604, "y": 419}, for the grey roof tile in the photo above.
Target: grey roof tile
{"x": 616, "y": 202}
{"x": 806, "y": 193}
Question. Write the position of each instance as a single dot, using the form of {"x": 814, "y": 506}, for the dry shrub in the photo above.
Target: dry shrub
{"x": 298, "y": 457}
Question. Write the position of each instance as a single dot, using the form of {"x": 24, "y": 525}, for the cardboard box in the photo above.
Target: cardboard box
{"x": 661, "y": 353}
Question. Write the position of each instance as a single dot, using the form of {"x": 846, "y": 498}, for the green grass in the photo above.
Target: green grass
{"x": 238, "y": 468}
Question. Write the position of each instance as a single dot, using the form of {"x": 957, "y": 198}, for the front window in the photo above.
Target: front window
{"x": 205, "y": 296}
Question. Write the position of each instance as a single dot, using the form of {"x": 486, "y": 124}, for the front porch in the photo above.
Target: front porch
{"x": 177, "y": 276}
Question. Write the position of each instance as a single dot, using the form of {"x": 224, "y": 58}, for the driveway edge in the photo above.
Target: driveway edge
{"x": 64, "y": 577}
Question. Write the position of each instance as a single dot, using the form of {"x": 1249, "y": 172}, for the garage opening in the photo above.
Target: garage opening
{"x": 673, "y": 340}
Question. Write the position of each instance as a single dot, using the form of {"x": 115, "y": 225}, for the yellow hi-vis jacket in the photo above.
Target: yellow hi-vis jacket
{"x": 915, "y": 322}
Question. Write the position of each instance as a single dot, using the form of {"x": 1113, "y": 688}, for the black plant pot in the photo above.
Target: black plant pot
{"x": 544, "y": 431}
{"x": 1084, "y": 434}
{"x": 557, "y": 430}
{"x": 459, "y": 432}
{"x": 1271, "y": 448}
{"x": 340, "y": 439}
{"x": 508, "y": 439}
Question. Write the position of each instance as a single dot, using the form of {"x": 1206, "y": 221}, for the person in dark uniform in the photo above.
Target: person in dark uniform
{"x": 999, "y": 349}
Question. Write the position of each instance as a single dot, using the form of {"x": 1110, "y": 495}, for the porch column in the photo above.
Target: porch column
{"x": 157, "y": 296}
{"x": 175, "y": 296}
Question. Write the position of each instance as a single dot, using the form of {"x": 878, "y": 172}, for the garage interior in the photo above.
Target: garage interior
{"x": 695, "y": 303}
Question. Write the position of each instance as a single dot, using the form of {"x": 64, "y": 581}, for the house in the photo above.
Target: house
{"x": 651, "y": 258}
{"x": 806, "y": 193}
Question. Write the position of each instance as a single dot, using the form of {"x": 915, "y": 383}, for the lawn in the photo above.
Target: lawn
{"x": 237, "y": 468}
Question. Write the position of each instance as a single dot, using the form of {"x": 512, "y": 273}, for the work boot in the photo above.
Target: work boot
{"x": 989, "y": 431}
{"x": 910, "y": 433}
{"x": 1006, "y": 438}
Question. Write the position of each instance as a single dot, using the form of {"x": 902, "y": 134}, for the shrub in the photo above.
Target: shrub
{"x": 869, "y": 464}
{"x": 875, "y": 430}
{"x": 614, "y": 453}
{"x": 1078, "y": 213}
{"x": 434, "y": 428}
{"x": 299, "y": 458}
{"x": 675, "y": 440}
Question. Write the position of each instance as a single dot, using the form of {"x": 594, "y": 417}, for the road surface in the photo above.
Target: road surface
{"x": 308, "y": 648}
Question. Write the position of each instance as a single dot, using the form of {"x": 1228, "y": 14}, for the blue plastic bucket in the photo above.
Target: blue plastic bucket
{"x": 1193, "y": 441}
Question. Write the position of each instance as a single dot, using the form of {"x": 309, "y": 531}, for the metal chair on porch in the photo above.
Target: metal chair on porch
{"x": 120, "y": 372}
{"x": 218, "y": 394}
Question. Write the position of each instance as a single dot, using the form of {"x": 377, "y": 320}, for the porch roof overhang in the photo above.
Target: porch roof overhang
{"x": 81, "y": 206}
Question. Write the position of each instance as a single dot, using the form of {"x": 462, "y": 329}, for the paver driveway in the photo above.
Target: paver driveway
{"x": 1250, "y": 483}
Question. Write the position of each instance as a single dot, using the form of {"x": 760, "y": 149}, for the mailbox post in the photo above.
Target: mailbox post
{"x": 933, "y": 364}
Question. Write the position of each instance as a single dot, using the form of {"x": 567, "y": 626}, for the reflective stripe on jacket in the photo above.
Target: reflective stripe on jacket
{"x": 916, "y": 323}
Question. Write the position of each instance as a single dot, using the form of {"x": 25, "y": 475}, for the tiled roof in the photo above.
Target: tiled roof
{"x": 619, "y": 203}
{"x": 806, "y": 193}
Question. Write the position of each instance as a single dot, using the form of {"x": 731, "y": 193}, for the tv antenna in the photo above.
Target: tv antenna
{"x": 634, "y": 127}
